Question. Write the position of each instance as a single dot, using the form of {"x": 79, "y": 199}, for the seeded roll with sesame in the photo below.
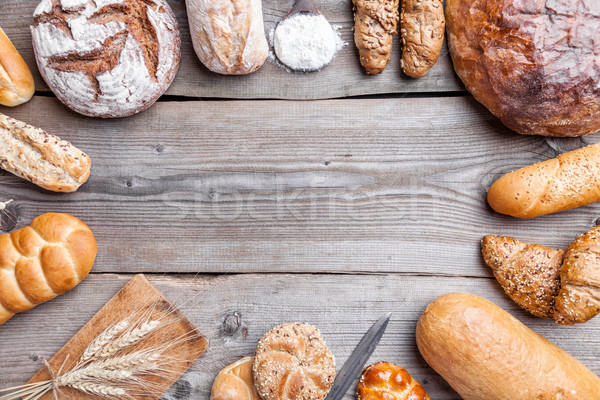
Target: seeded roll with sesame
{"x": 293, "y": 362}
{"x": 374, "y": 28}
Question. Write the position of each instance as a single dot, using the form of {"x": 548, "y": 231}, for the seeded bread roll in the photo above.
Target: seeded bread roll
{"x": 109, "y": 58}
{"x": 16, "y": 82}
{"x": 293, "y": 362}
{"x": 374, "y": 29}
{"x": 568, "y": 181}
{"x": 40, "y": 157}
{"x": 228, "y": 36}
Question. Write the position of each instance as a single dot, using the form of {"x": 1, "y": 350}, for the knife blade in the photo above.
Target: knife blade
{"x": 353, "y": 366}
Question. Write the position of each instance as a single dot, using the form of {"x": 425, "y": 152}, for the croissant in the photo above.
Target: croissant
{"x": 579, "y": 296}
{"x": 384, "y": 381}
{"x": 528, "y": 273}
{"x": 43, "y": 260}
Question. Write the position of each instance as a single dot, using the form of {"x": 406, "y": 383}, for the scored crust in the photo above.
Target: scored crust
{"x": 106, "y": 58}
{"x": 533, "y": 64}
{"x": 293, "y": 362}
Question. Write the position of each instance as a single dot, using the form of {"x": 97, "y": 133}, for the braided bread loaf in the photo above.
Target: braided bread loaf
{"x": 43, "y": 260}
{"x": 385, "y": 381}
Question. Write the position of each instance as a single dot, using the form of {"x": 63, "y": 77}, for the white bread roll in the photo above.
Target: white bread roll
{"x": 16, "y": 82}
{"x": 228, "y": 36}
{"x": 485, "y": 353}
{"x": 568, "y": 181}
{"x": 235, "y": 382}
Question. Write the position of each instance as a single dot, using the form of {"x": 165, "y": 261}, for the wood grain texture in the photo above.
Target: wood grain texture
{"x": 343, "y": 77}
{"x": 137, "y": 300}
{"x": 269, "y": 186}
{"x": 235, "y": 311}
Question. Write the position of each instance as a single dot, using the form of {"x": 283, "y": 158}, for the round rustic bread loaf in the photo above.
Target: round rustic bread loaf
{"x": 293, "y": 362}
{"x": 534, "y": 64}
{"x": 106, "y": 58}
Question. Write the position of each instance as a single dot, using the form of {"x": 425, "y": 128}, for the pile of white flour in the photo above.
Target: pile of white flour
{"x": 306, "y": 42}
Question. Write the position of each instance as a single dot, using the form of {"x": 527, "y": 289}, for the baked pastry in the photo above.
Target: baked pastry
{"x": 485, "y": 353}
{"x": 293, "y": 362}
{"x": 374, "y": 29}
{"x": 40, "y": 157}
{"x": 43, "y": 260}
{"x": 528, "y": 273}
{"x": 422, "y": 25}
{"x": 533, "y": 64}
{"x": 387, "y": 381}
{"x": 110, "y": 58}
{"x": 235, "y": 382}
{"x": 568, "y": 181}
{"x": 579, "y": 296}
{"x": 228, "y": 36}
{"x": 16, "y": 82}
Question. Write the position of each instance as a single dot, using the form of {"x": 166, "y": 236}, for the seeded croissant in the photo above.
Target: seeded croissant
{"x": 546, "y": 282}
{"x": 374, "y": 26}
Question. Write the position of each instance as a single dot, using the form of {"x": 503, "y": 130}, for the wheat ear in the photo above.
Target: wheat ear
{"x": 128, "y": 339}
{"x": 92, "y": 352}
{"x": 98, "y": 389}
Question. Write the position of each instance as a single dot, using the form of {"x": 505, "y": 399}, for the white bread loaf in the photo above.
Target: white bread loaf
{"x": 16, "y": 82}
{"x": 40, "y": 157}
{"x": 43, "y": 260}
{"x": 485, "y": 353}
{"x": 568, "y": 181}
{"x": 228, "y": 36}
{"x": 106, "y": 58}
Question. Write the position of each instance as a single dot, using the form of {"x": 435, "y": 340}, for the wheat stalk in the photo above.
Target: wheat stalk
{"x": 98, "y": 389}
{"x": 128, "y": 339}
{"x": 93, "y": 350}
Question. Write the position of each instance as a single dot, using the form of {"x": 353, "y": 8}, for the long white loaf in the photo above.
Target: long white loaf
{"x": 228, "y": 36}
{"x": 486, "y": 354}
{"x": 40, "y": 157}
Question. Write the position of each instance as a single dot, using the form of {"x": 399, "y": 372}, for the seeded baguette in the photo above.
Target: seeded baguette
{"x": 40, "y": 157}
{"x": 422, "y": 25}
{"x": 568, "y": 181}
{"x": 374, "y": 28}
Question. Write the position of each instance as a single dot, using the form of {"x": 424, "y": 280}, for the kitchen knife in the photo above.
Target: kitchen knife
{"x": 358, "y": 358}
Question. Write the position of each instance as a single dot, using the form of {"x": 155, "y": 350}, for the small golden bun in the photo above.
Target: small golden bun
{"x": 387, "y": 381}
{"x": 235, "y": 382}
{"x": 16, "y": 81}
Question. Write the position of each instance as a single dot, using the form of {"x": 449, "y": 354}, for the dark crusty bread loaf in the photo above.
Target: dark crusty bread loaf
{"x": 534, "y": 64}
{"x": 109, "y": 58}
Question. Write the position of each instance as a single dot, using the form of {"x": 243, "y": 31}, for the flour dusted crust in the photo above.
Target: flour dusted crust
{"x": 293, "y": 362}
{"x": 106, "y": 58}
{"x": 532, "y": 63}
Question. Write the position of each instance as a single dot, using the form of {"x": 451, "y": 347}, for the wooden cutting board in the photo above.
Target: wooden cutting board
{"x": 137, "y": 297}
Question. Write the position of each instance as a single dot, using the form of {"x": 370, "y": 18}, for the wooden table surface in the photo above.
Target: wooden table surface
{"x": 329, "y": 198}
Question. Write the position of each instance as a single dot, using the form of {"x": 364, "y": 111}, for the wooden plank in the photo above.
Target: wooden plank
{"x": 235, "y": 311}
{"x": 344, "y": 77}
{"x": 138, "y": 300}
{"x": 270, "y": 186}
